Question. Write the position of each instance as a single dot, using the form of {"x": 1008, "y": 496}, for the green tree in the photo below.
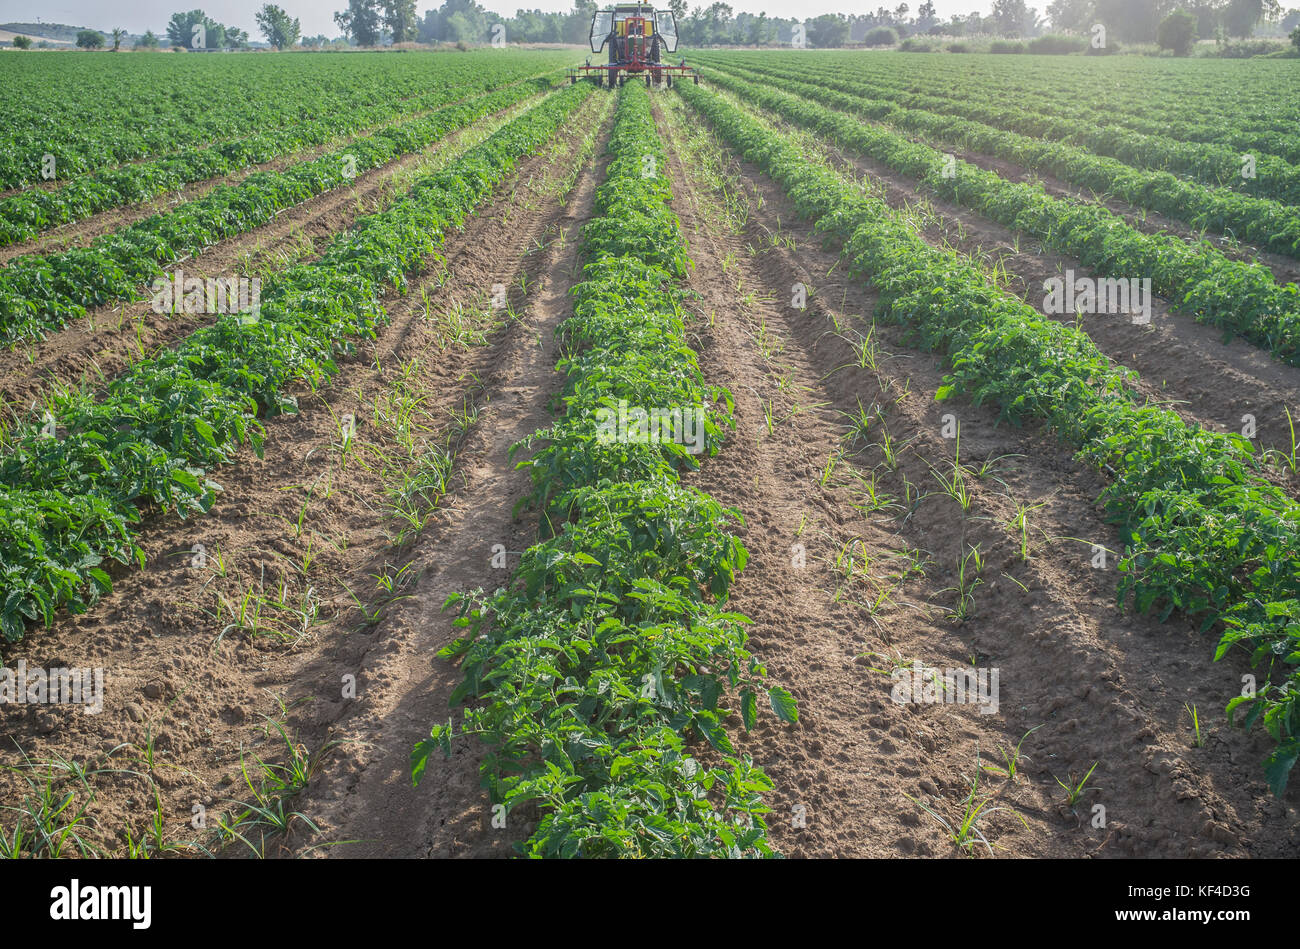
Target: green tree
{"x": 401, "y": 19}
{"x": 577, "y": 23}
{"x": 181, "y": 31}
{"x": 279, "y": 29}
{"x": 1242, "y": 16}
{"x": 118, "y": 35}
{"x": 1295, "y": 38}
{"x": 22, "y": 42}
{"x": 90, "y": 39}
{"x": 1129, "y": 21}
{"x": 360, "y": 21}
{"x": 1009, "y": 17}
{"x": 1070, "y": 14}
{"x": 465, "y": 21}
{"x": 828, "y": 31}
{"x": 1177, "y": 32}
{"x": 148, "y": 41}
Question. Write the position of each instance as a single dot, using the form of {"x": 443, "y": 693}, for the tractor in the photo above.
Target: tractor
{"x": 637, "y": 36}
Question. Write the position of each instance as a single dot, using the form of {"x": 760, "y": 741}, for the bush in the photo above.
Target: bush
{"x": 958, "y": 48}
{"x": 90, "y": 39}
{"x": 1006, "y": 46}
{"x": 911, "y": 45}
{"x": 881, "y": 36}
{"x": 25, "y": 42}
{"x": 1056, "y": 44}
{"x": 1246, "y": 49}
{"x": 1295, "y": 37}
{"x": 1177, "y": 32}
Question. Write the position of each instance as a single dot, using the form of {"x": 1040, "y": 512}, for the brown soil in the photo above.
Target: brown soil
{"x": 1105, "y": 686}
{"x": 308, "y": 525}
{"x": 1098, "y": 683}
{"x": 1284, "y": 269}
{"x": 1183, "y": 364}
{"x": 81, "y": 233}
{"x": 109, "y": 338}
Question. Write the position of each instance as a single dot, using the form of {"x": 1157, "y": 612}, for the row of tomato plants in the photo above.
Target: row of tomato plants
{"x": 38, "y": 293}
{"x": 92, "y": 113}
{"x": 1268, "y": 223}
{"x": 74, "y": 481}
{"x": 612, "y": 648}
{"x": 1257, "y": 109}
{"x": 1202, "y": 530}
{"x": 1209, "y": 162}
{"x": 26, "y": 214}
{"x": 1178, "y": 113}
{"x": 1237, "y": 297}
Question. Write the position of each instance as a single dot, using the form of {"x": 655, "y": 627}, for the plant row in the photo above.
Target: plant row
{"x": 1209, "y": 162}
{"x": 611, "y": 649}
{"x": 1203, "y": 532}
{"x": 1255, "y": 109}
{"x": 91, "y": 113}
{"x": 1268, "y": 223}
{"x": 38, "y": 293}
{"x": 74, "y": 482}
{"x": 1180, "y": 116}
{"x": 26, "y": 214}
{"x": 1237, "y": 297}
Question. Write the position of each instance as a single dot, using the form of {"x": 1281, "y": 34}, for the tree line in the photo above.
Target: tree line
{"x": 1173, "y": 23}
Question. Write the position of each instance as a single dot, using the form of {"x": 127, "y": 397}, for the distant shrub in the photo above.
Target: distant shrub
{"x": 1056, "y": 44}
{"x": 911, "y": 45}
{"x": 1111, "y": 47}
{"x": 881, "y": 36}
{"x": 25, "y": 42}
{"x": 958, "y": 48}
{"x": 1245, "y": 49}
{"x": 1295, "y": 37}
{"x": 1177, "y": 32}
{"x": 1006, "y": 46}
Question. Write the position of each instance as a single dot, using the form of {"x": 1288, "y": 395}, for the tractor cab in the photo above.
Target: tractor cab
{"x": 635, "y": 38}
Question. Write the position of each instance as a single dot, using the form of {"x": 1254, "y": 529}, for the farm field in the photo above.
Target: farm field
{"x": 854, "y": 454}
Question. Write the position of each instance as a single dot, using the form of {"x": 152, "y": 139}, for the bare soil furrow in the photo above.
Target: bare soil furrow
{"x": 237, "y": 612}
{"x": 1100, "y": 684}
{"x": 109, "y": 338}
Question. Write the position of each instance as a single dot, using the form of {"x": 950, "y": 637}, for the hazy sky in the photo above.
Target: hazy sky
{"x": 318, "y": 15}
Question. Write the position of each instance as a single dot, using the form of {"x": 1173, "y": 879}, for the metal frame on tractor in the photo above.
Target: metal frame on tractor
{"x": 636, "y": 36}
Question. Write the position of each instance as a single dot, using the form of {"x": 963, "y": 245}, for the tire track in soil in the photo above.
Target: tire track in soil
{"x": 107, "y": 339}
{"x": 1108, "y": 686}
{"x": 366, "y": 794}
{"x": 154, "y": 637}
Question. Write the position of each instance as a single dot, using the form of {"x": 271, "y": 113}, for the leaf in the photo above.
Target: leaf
{"x": 749, "y": 709}
{"x": 783, "y": 704}
{"x": 1278, "y": 765}
{"x": 186, "y": 480}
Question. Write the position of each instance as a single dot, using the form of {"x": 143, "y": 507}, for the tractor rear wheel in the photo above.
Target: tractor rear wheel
{"x": 613, "y": 78}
